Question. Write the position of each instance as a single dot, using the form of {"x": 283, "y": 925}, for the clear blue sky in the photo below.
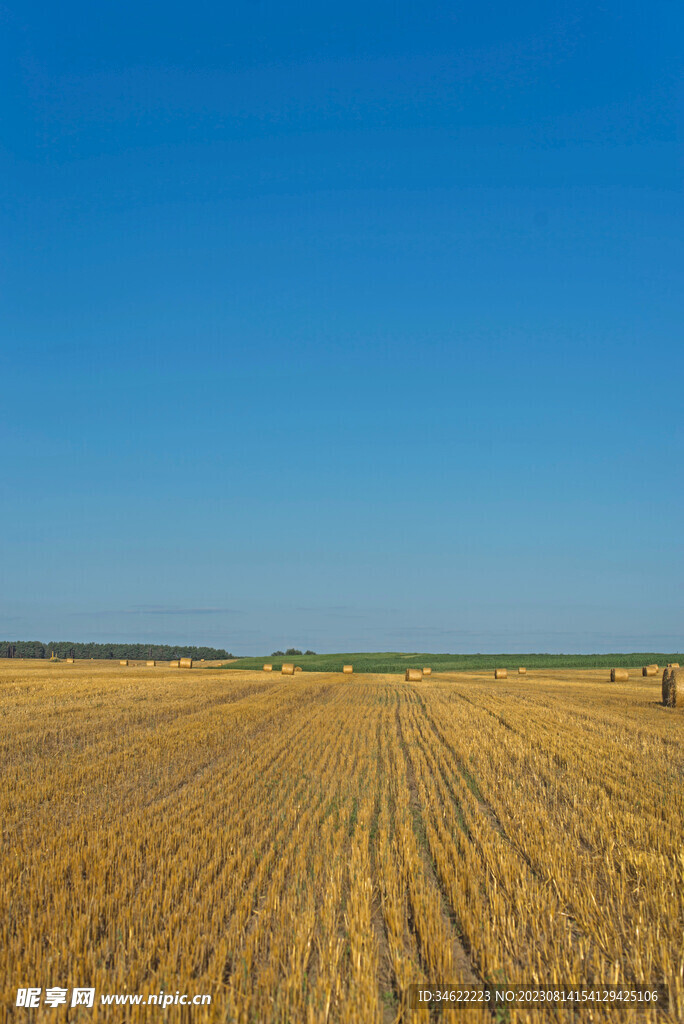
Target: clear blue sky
{"x": 353, "y": 327}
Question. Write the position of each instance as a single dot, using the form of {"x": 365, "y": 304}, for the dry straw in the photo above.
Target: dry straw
{"x": 413, "y": 675}
{"x": 522, "y": 671}
{"x": 427, "y": 671}
{"x": 673, "y": 687}
{"x": 500, "y": 673}
{"x": 348, "y": 669}
{"x": 150, "y": 664}
{"x": 618, "y": 675}
{"x": 123, "y": 662}
{"x": 70, "y": 661}
{"x": 186, "y": 662}
{"x": 649, "y": 670}
{"x": 268, "y": 668}
{"x": 287, "y": 669}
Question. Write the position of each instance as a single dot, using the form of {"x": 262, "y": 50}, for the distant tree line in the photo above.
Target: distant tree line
{"x": 69, "y": 649}
{"x": 290, "y": 650}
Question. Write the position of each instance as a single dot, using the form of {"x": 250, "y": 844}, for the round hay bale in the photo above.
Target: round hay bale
{"x": 618, "y": 675}
{"x": 173, "y": 664}
{"x": 150, "y": 664}
{"x": 649, "y": 670}
{"x": 287, "y": 669}
{"x": 268, "y": 668}
{"x": 673, "y": 687}
{"x": 676, "y": 688}
{"x": 70, "y": 661}
{"x": 123, "y": 662}
{"x": 427, "y": 671}
{"x": 673, "y": 664}
{"x": 501, "y": 673}
{"x": 186, "y": 662}
{"x": 522, "y": 671}
{"x": 298, "y": 668}
{"x": 413, "y": 675}
{"x": 348, "y": 669}
{"x": 666, "y": 686}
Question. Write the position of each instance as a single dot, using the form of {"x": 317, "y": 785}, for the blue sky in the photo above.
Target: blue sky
{"x": 349, "y": 327}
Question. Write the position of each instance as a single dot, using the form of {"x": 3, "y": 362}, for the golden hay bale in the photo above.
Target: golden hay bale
{"x": 673, "y": 664}
{"x": 150, "y": 664}
{"x": 287, "y": 669}
{"x": 673, "y": 687}
{"x": 618, "y": 675}
{"x": 522, "y": 671}
{"x": 427, "y": 671}
{"x": 268, "y": 668}
{"x": 70, "y": 661}
{"x": 173, "y": 664}
{"x": 123, "y": 662}
{"x": 348, "y": 669}
{"x": 649, "y": 670}
{"x": 413, "y": 675}
{"x": 186, "y": 662}
{"x": 298, "y": 668}
{"x": 500, "y": 673}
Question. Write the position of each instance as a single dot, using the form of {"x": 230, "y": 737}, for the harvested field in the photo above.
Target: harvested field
{"x": 303, "y": 850}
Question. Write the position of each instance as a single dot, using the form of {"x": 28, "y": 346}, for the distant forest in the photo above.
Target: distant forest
{"x": 69, "y": 649}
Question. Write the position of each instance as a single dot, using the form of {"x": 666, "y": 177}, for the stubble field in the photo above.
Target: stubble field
{"x": 304, "y": 848}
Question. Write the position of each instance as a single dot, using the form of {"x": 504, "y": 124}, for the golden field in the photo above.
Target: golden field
{"x": 304, "y": 848}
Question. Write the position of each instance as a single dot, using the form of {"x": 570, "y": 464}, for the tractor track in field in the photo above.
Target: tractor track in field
{"x": 463, "y": 965}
